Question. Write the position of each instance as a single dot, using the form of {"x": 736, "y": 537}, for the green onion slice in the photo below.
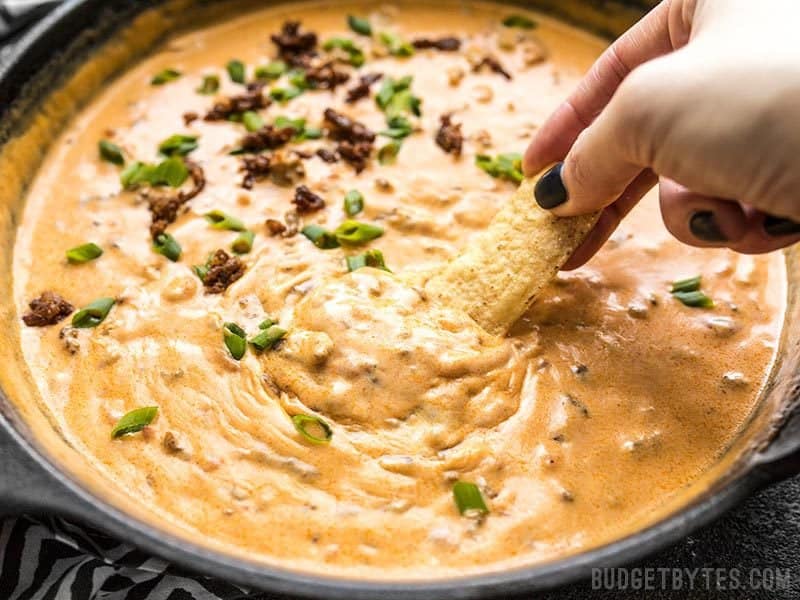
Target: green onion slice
{"x": 110, "y": 152}
{"x": 252, "y": 121}
{"x": 266, "y": 323}
{"x": 221, "y": 220}
{"x": 353, "y": 203}
{"x": 167, "y": 246}
{"x": 355, "y": 53}
{"x": 695, "y": 299}
{"x": 236, "y": 70}
{"x": 321, "y": 237}
{"x": 312, "y": 428}
{"x": 396, "y": 45}
{"x": 268, "y": 338}
{"x": 359, "y": 25}
{"x": 172, "y": 172}
{"x": 285, "y": 94}
{"x": 371, "y": 258}
{"x": 387, "y": 155}
{"x": 209, "y": 86}
{"x": 519, "y": 21}
{"x": 178, "y": 144}
{"x": 84, "y": 253}
{"x": 272, "y": 70}
{"x": 134, "y": 421}
{"x": 356, "y": 233}
{"x": 93, "y": 314}
{"x": 243, "y": 242}
{"x": 235, "y": 340}
{"x": 165, "y": 76}
{"x": 399, "y": 128}
{"x": 504, "y": 166}
{"x": 469, "y": 500}
{"x": 691, "y": 284}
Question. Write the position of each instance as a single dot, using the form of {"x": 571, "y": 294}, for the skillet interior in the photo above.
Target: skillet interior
{"x": 36, "y": 115}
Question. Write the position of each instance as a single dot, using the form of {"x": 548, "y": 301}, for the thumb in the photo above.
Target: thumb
{"x": 608, "y": 155}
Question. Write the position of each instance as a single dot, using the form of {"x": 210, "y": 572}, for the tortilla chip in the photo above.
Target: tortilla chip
{"x": 497, "y": 277}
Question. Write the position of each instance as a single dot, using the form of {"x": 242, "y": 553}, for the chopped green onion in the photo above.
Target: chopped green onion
{"x": 320, "y": 237}
{"x": 134, "y": 421}
{"x": 268, "y": 338}
{"x": 92, "y": 314}
{"x": 505, "y": 166}
{"x": 360, "y": 25}
{"x": 691, "y": 284}
{"x": 357, "y": 233}
{"x": 178, "y": 144}
{"x": 252, "y": 121}
{"x": 519, "y": 21}
{"x": 165, "y": 76}
{"x": 235, "y": 340}
{"x": 395, "y": 97}
{"x": 84, "y": 253}
{"x": 355, "y": 53}
{"x": 285, "y": 94}
{"x": 201, "y": 271}
{"x": 396, "y": 45}
{"x": 371, "y": 258}
{"x": 236, "y": 70}
{"x": 243, "y": 242}
{"x": 303, "y": 422}
{"x": 266, "y": 323}
{"x": 168, "y": 246}
{"x": 469, "y": 500}
{"x": 353, "y": 203}
{"x": 399, "y": 128}
{"x": 110, "y": 152}
{"x": 172, "y": 172}
{"x": 221, "y": 220}
{"x": 387, "y": 155}
{"x": 272, "y": 70}
{"x": 297, "y": 77}
{"x": 209, "y": 86}
{"x": 696, "y": 299}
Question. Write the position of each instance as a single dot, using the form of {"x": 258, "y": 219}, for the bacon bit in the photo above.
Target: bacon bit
{"x": 328, "y": 156}
{"x": 189, "y": 118}
{"x": 449, "y": 137}
{"x": 493, "y": 64}
{"x": 254, "y": 168}
{"x": 164, "y": 208}
{"x": 445, "y": 44}
{"x": 223, "y": 270}
{"x": 267, "y": 138}
{"x": 361, "y": 89}
{"x": 326, "y": 76}
{"x": 275, "y": 227}
{"x": 294, "y": 47}
{"x": 254, "y": 99}
{"x": 343, "y": 128}
{"x": 307, "y": 201}
{"x": 47, "y": 309}
{"x": 357, "y": 154}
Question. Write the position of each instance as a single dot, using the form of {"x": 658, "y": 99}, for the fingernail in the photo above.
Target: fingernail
{"x": 550, "y": 191}
{"x": 704, "y": 227}
{"x": 777, "y": 226}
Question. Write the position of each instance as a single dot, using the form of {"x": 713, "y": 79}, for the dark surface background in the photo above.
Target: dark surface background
{"x": 764, "y": 533}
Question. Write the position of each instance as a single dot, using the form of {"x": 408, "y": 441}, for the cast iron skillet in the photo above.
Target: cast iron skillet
{"x": 32, "y": 481}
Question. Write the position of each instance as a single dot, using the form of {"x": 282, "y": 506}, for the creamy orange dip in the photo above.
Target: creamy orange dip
{"x": 604, "y": 401}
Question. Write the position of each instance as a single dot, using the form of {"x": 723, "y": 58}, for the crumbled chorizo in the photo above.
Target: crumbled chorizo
{"x": 294, "y": 46}
{"x": 494, "y": 65}
{"x": 190, "y": 117}
{"x": 307, "y": 201}
{"x": 275, "y": 227}
{"x": 445, "y": 44}
{"x": 253, "y": 99}
{"x": 254, "y": 168}
{"x": 343, "y": 128}
{"x": 361, "y": 89}
{"x": 268, "y": 137}
{"x": 328, "y": 156}
{"x": 449, "y": 137}
{"x": 326, "y": 76}
{"x": 223, "y": 270}
{"x": 47, "y": 309}
{"x": 164, "y": 207}
{"x": 356, "y": 154}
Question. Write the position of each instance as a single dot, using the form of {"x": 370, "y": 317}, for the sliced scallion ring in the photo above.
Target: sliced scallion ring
{"x": 221, "y": 220}
{"x": 235, "y": 340}
{"x": 92, "y": 314}
{"x": 469, "y": 500}
{"x": 312, "y": 428}
{"x": 134, "y": 421}
{"x": 84, "y": 253}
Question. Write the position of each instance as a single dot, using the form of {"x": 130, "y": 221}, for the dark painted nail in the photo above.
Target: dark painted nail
{"x": 550, "y": 191}
{"x": 777, "y": 226}
{"x": 704, "y": 227}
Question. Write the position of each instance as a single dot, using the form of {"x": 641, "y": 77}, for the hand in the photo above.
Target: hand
{"x": 702, "y": 96}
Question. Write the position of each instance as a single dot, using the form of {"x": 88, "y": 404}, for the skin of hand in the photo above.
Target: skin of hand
{"x": 700, "y": 96}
